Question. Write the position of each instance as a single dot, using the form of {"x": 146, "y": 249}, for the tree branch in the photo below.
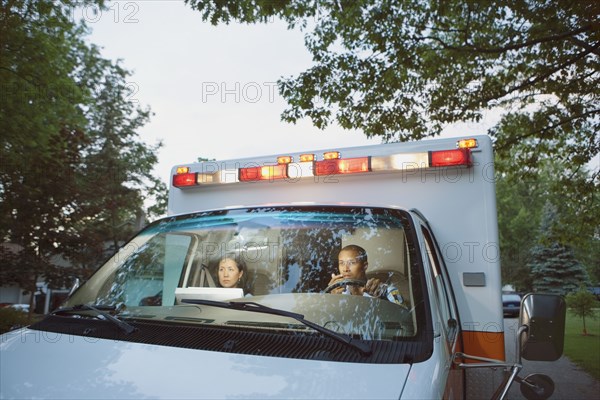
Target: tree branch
{"x": 532, "y": 82}
{"x": 585, "y": 45}
{"x": 467, "y": 47}
{"x": 518, "y": 138}
{"x": 19, "y": 76}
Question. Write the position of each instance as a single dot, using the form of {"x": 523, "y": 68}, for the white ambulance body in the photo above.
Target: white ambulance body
{"x": 156, "y": 322}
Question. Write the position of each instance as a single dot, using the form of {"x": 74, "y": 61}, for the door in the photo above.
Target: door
{"x": 444, "y": 301}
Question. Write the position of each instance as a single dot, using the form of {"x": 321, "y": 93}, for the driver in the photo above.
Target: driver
{"x": 352, "y": 264}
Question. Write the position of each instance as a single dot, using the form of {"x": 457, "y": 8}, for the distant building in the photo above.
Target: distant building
{"x": 13, "y": 294}
{"x": 45, "y": 299}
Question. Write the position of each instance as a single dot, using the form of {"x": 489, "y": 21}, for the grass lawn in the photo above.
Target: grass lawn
{"x": 584, "y": 350}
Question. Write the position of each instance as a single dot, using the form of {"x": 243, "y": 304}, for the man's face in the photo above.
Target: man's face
{"x": 351, "y": 266}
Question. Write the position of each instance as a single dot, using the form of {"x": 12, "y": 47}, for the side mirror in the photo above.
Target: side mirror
{"x": 543, "y": 315}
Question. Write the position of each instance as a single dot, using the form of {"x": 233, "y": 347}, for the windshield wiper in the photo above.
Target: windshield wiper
{"x": 99, "y": 310}
{"x": 363, "y": 348}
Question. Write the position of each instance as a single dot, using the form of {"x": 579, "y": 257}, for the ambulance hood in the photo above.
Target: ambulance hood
{"x": 53, "y": 365}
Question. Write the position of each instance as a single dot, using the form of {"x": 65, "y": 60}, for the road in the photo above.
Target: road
{"x": 570, "y": 381}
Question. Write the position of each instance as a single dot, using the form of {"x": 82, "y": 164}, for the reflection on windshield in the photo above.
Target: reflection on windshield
{"x": 282, "y": 257}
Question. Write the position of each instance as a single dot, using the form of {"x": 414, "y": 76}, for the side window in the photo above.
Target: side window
{"x": 150, "y": 274}
{"x": 442, "y": 290}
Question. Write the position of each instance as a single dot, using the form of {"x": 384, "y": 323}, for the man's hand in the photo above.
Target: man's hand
{"x": 374, "y": 287}
{"x": 353, "y": 289}
{"x": 335, "y": 278}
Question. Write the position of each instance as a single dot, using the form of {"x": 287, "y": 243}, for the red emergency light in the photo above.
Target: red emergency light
{"x": 342, "y": 166}
{"x": 264, "y": 173}
{"x": 186, "y": 179}
{"x": 448, "y": 158}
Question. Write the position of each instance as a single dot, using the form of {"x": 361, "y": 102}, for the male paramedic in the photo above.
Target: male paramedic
{"x": 352, "y": 264}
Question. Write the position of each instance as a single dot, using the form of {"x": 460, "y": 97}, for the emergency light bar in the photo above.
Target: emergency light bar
{"x": 331, "y": 164}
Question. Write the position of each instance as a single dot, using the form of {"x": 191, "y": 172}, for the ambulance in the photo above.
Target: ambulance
{"x": 162, "y": 318}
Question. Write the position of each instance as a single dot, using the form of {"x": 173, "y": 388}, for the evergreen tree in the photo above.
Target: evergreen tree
{"x": 554, "y": 268}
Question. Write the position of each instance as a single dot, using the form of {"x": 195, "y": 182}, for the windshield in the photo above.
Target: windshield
{"x": 280, "y": 257}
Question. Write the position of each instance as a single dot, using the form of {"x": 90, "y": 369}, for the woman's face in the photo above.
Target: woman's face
{"x": 229, "y": 273}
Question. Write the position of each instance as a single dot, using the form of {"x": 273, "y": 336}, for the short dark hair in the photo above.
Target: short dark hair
{"x": 237, "y": 259}
{"x": 362, "y": 253}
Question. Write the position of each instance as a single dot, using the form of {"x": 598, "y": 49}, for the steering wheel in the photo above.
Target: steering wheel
{"x": 344, "y": 282}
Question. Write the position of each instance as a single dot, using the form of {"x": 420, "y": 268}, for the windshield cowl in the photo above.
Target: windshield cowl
{"x": 362, "y": 348}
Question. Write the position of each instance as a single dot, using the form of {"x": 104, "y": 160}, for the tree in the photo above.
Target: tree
{"x": 582, "y": 304}
{"x": 65, "y": 119}
{"x": 554, "y": 268}
{"x": 520, "y": 200}
{"x": 404, "y": 70}
{"x": 42, "y": 134}
{"x": 116, "y": 157}
{"x": 36, "y": 198}
{"x": 115, "y": 173}
{"x": 518, "y": 206}
{"x": 40, "y": 117}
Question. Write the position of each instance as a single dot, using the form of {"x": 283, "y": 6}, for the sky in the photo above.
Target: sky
{"x": 213, "y": 89}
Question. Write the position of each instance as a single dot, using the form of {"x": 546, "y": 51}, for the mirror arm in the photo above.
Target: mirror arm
{"x": 487, "y": 362}
{"x": 502, "y": 391}
{"x": 522, "y": 329}
{"x": 541, "y": 315}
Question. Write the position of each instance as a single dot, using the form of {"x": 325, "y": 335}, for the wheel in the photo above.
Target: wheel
{"x": 344, "y": 282}
{"x": 542, "y": 388}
